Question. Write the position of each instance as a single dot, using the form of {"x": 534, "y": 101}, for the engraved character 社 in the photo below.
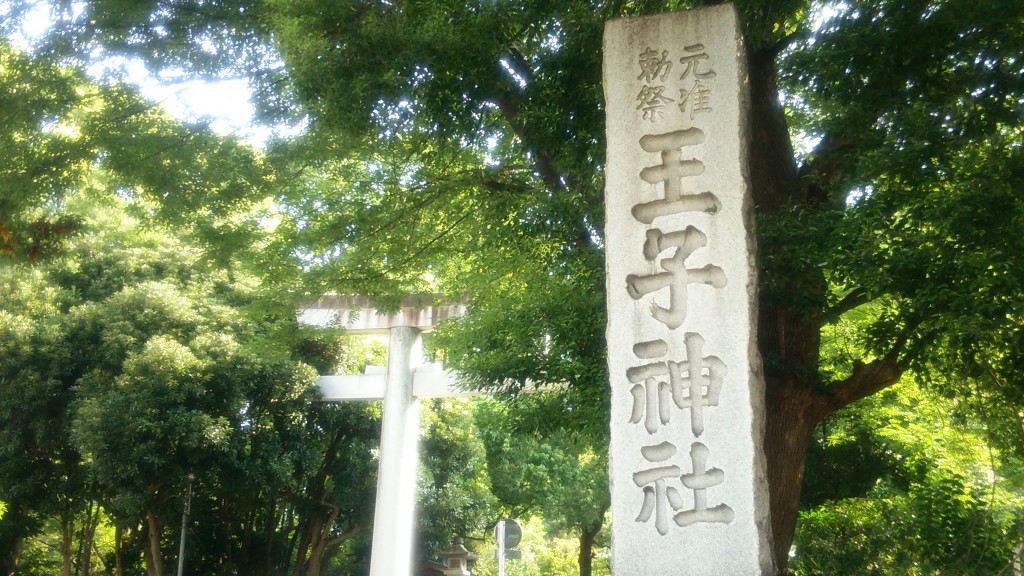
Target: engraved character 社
{"x": 699, "y": 481}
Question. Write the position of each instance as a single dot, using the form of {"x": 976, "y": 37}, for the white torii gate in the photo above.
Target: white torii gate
{"x": 404, "y": 380}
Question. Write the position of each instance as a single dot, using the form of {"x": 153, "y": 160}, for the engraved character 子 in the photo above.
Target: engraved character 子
{"x": 699, "y": 481}
{"x": 676, "y": 276}
{"x": 658, "y": 496}
{"x": 684, "y": 382}
{"x": 670, "y": 174}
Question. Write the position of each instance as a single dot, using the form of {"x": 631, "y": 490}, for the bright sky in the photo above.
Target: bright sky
{"x": 225, "y": 104}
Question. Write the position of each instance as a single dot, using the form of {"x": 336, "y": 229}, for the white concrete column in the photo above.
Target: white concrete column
{"x": 394, "y": 517}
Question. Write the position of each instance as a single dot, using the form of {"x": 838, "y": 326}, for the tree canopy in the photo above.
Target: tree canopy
{"x": 459, "y": 148}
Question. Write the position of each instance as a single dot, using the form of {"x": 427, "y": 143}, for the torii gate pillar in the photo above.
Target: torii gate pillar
{"x": 394, "y": 515}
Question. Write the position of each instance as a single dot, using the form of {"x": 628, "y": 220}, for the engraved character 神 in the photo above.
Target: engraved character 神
{"x": 693, "y": 383}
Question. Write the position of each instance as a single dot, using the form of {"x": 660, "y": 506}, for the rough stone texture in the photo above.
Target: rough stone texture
{"x": 689, "y": 492}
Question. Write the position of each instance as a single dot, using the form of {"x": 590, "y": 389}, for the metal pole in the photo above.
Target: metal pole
{"x": 184, "y": 523}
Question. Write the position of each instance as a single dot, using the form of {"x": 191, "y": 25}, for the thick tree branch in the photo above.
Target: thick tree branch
{"x": 785, "y": 42}
{"x": 866, "y": 379}
{"x": 826, "y": 164}
{"x": 347, "y": 534}
{"x": 855, "y": 298}
{"x": 509, "y": 102}
{"x": 544, "y": 161}
{"x": 520, "y": 65}
{"x": 335, "y": 511}
{"x": 830, "y": 158}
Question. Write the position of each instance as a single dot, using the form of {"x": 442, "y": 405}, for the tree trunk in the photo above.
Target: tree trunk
{"x": 228, "y": 565}
{"x": 9, "y": 549}
{"x": 1018, "y": 555}
{"x": 118, "y": 551}
{"x": 88, "y": 535}
{"x": 793, "y": 412}
{"x": 67, "y": 538}
{"x": 268, "y": 534}
{"x": 789, "y": 342}
{"x": 151, "y": 550}
{"x": 85, "y": 548}
{"x": 300, "y": 557}
{"x": 586, "y": 557}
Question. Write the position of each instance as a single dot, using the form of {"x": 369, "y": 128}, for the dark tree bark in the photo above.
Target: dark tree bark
{"x": 67, "y": 530}
{"x": 152, "y": 553}
{"x": 586, "y": 559}
{"x": 16, "y": 526}
{"x": 9, "y": 555}
{"x": 789, "y": 340}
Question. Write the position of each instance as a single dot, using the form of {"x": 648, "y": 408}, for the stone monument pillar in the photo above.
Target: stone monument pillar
{"x": 689, "y": 489}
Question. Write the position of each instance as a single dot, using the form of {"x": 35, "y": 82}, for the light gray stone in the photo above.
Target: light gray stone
{"x": 689, "y": 492}
{"x": 400, "y": 384}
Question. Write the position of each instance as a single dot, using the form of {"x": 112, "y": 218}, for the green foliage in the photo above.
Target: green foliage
{"x": 543, "y": 554}
{"x": 130, "y": 362}
{"x": 560, "y": 477}
{"x": 946, "y": 525}
{"x": 458, "y": 148}
{"x": 44, "y": 157}
{"x": 894, "y": 488}
{"x": 454, "y": 487}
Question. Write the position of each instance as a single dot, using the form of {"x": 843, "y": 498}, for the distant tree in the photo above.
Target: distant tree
{"x": 455, "y": 494}
{"x": 131, "y": 363}
{"x": 43, "y": 160}
{"x": 561, "y": 477}
{"x": 41, "y": 473}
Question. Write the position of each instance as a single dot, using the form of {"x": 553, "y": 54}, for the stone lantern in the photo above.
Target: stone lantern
{"x": 458, "y": 559}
